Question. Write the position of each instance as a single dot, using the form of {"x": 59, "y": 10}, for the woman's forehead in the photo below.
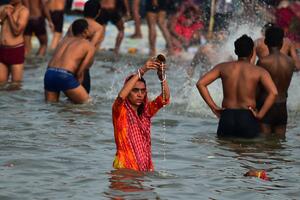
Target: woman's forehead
{"x": 140, "y": 84}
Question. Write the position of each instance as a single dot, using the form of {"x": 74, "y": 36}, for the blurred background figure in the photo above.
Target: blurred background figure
{"x": 133, "y": 9}
{"x": 56, "y": 8}
{"x": 288, "y": 17}
{"x": 186, "y": 26}
{"x": 156, "y": 15}
{"x": 37, "y": 25}
{"x": 113, "y": 10}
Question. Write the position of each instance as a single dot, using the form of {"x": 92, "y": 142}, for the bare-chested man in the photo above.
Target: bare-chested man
{"x": 56, "y": 8}
{"x": 71, "y": 58}
{"x": 240, "y": 79}
{"x": 288, "y": 48}
{"x": 13, "y": 20}
{"x": 91, "y": 11}
{"x": 112, "y": 10}
{"x": 281, "y": 67}
{"x": 37, "y": 25}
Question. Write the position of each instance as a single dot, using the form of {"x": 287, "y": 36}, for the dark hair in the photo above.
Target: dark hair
{"x": 91, "y": 8}
{"x": 274, "y": 36}
{"x": 266, "y": 26}
{"x": 140, "y": 109}
{"x": 243, "y": 46}
{"x": 79, "y": 26}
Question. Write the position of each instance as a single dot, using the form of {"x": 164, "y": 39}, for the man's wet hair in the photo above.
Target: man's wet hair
{"x": 274, "y": 36}
{"x": 266, "y": 26}
{"x": 91, "y": 8}
{"x": 244, "y": 46}
{"x": 79, "y": 26}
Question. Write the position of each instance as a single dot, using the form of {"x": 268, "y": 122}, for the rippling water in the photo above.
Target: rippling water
{"x": 65, "y": 151}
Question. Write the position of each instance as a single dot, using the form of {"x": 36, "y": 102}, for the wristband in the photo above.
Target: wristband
{"x": 139, "y": 73}
{"x": 164, "y": 78}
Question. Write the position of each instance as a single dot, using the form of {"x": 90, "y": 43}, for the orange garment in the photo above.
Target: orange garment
{"x": 133, "y": 134}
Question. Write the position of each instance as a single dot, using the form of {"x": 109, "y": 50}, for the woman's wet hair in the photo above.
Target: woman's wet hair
{"x": 141, "y": 79}
{"x": 91, "y": 8}
{"x": 140, "y": 109}
{"x": 244, "y": 46}
{"x": 79, "y": 26}
{"x": 274, "y": 36}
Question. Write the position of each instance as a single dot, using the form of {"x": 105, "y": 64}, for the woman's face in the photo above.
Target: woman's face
{"x": 137, "y": 94}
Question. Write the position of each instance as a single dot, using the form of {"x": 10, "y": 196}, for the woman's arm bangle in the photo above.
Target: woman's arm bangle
{"x": 164, "y": 79}
{"x": 139, "y": 73}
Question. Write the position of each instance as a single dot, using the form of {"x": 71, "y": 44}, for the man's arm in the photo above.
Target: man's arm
{"x": 202, "y": 84}
{"x": 271, "y": 89}
{"x": 47, "y": 14}
{"x": 86, "y": 63}
{"x": 295, "y": 57}
{"x": 18, "y": 25}
{"x": 98, "y": 37}
{"x": 2, "y": 13}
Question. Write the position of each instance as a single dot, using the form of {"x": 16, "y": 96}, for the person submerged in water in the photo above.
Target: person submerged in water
{"x": 240, "y": 79}
{"x": 281, "y": 68}
{"x": 132, "y": 113}
{"x": 65, "y": 70}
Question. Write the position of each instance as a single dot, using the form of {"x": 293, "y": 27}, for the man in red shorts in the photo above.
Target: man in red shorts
{"x": 13, "y": 20}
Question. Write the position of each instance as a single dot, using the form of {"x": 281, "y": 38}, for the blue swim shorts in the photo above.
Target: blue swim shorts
{"x": 57, "y": 79}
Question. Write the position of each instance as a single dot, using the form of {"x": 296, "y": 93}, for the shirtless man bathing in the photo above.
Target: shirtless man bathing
{"x": 13, "y": 20}
{"x": 65, "y": 70}
{"x": 240, "y": 79}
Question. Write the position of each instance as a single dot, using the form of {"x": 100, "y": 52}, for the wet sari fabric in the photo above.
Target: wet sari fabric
{"x": 133, "y": 134}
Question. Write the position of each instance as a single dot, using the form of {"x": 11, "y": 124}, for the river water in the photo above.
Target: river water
{"x": 65, "y": 151}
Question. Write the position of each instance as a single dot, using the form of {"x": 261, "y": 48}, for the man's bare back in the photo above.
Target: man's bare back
{"x": 56, "y": 5}
{"x": 69, "y": 57}
{"x": 35, "y": 7}
{"x": 281, "y": 68}
{"x": 240, "y": 79}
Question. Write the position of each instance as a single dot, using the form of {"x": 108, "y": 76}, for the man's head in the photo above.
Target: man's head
{"x": 91, "y": 9}
{"x": 266, "y": 26}
{"x": 274, "y": 37}
{"x": 80, "y": 27}
{"x": 244, "y": 46}
{"x": 13, "y": 2}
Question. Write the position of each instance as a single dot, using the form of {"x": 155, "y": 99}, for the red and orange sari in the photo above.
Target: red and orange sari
{"x": 133, "y": 134}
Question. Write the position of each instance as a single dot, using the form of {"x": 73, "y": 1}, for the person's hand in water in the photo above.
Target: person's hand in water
{"x": 254, "y": 112}
{"x": 217, "y": 111}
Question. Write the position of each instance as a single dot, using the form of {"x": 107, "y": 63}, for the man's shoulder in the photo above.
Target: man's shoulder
{"x": 24, "y": 10}
{"x": 259, "y": 41}
{"x": 95, "y": 26}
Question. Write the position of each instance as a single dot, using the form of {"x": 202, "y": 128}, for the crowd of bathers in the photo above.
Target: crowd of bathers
{"x": 255, "y": 85}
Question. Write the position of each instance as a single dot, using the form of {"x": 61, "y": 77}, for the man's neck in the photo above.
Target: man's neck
{"x": 274, "y": 50}
{"x": 247, "y": 59}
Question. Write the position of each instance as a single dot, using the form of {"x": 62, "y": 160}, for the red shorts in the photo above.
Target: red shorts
{"x": 12, "y": 55}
